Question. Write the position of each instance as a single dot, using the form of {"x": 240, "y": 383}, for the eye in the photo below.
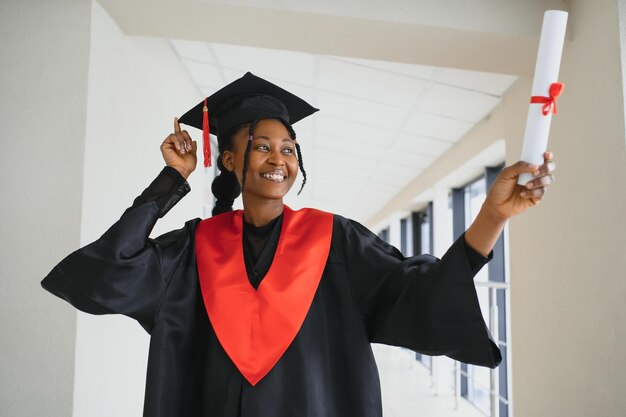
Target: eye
{"x": 288, "y": 150}
{"x": 262, "y": 147}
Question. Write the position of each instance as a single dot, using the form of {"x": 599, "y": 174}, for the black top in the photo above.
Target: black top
{"x": 368, "y": 292}
{"x": 258, "y": 255}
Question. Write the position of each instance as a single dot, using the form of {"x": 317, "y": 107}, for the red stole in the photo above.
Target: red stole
{"x": 255, "y": 327}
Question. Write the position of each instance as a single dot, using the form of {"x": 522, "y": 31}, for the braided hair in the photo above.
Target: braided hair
{"x": 225, "y": 186}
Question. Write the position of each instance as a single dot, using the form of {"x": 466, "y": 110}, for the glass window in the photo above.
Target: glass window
{"x": 405, "y": 233}
{"x": 384, "y": 235}
{"x": 422, "y": 227}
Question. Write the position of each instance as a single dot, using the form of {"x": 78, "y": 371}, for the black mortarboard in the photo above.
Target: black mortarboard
{"x": 244, "y": 100}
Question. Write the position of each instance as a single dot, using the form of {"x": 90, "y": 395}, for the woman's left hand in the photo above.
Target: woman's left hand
{"x": 507, "y": 199}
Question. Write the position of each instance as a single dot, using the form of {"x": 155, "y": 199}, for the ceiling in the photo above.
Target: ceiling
{"x": 380, "y": 123}
{"x": 498, "y": 36}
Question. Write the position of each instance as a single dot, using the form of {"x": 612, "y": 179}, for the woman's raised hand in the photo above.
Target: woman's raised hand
{"x": 507, "y": 199}
{"x": 179, "y": 151}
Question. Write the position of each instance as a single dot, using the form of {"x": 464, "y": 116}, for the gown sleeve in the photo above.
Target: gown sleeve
{"x": 421, "y": 303}
{"x": 125, "y": 271}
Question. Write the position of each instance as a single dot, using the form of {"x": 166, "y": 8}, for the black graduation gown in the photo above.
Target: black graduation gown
{"x": 369, "y": 292}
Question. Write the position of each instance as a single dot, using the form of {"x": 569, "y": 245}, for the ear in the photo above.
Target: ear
{"x": 228, "y": 159}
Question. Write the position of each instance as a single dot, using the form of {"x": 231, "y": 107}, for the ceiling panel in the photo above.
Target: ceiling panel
{"x": 417, "y": 71}
{"x": 494, "y": 84}
{"x": 345, "y": 107}
{"x": 198, "y": 51}
{"x": 204, "y": 75}
{"x": 456, "y": 103}
{"x": 439, "y": 127}
{"x": 369, "y": 84}
{"x": 405, "y": 158}
{"x": 328, "y": 124}
{"x": 295, "y": 67}
{"x": 423, "y": 146}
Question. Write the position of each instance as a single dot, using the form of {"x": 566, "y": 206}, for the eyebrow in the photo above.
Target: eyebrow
{"x": 267, "y": 138}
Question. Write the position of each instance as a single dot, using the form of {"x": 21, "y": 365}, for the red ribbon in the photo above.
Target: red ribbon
{"x": 549, "y": 103}
{"x": 206, "y": 142}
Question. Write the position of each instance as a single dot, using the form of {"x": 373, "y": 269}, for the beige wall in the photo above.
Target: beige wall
{"x": 43, "y": 89}
{"x": 568, "y": 260}
{"x": 567, "y": 256}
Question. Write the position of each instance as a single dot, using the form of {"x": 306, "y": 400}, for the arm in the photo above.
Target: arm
{"x": 421, "y": 303}
{"x": 430, "y": 305}
{"x": 125, "y": 271}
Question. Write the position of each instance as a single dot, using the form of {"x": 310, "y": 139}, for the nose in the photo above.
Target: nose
{"x": 276, "y": 157}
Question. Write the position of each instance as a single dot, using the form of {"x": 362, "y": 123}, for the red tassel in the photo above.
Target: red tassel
{"x": 206, "y": 141}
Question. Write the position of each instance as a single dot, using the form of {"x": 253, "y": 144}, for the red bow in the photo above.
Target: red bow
{"x": 549, "y": 103}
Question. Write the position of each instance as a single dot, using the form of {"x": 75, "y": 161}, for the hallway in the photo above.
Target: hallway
{"x": 407, "y": 390}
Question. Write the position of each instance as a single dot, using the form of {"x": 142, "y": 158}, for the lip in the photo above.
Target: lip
{"x": 276, "y": 172}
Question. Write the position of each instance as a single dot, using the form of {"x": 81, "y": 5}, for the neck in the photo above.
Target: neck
{"x": 260, "y": 212}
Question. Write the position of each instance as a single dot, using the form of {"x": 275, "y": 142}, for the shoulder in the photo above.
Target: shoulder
{"x": 340, "y": 223}
{"x": 348, "y": 225}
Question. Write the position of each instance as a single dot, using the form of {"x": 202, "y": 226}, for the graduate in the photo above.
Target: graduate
{"x": 268, "y": 311}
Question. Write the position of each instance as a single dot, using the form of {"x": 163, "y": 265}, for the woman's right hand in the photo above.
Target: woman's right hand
{"x": 179, "y": 151}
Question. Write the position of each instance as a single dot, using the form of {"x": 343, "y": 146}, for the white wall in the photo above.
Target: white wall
{"x": 136, "y": 87}
{"x": 43, "y": 89}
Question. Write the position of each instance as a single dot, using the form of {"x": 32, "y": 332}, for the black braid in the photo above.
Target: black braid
{"x": 247, "y": 153}
{"x": 292, "y": 134}
{"x": 225, "y": 186}
{"x": 300, "y": 163}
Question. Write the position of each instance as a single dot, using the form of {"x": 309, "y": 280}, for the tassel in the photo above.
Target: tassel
{"x": 206, "y": 141}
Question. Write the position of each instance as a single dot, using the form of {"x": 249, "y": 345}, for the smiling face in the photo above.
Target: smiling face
{"x": 272, "y": 162}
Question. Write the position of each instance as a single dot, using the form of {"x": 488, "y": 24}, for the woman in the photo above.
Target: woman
{"x": 269, "y": 311}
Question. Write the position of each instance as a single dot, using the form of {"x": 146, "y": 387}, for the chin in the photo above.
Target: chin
{"x": 270, "y": 195}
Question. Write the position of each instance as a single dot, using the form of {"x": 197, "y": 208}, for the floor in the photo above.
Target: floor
{"x": 407, "y": 391}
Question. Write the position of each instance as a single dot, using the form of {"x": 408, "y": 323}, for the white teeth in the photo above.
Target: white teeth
{"x": 274, "y": 176}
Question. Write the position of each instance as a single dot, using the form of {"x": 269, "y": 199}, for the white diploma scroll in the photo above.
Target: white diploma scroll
{"x": 546, "y": 73}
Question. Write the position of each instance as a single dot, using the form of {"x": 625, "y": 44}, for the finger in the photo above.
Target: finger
{"x": 194, "y": 146}
{"x": 519, "y": 167}
{"x": 540, "y": 182}
{"x": 178, "y": 142}
{"x": 184, "y": 148}
{"x": 173, "y": 140}
{"x": 187, "y": 140}
{"x": 536, "y": 193}
{"x": 547, "y": 156}
{"x": 545, "y": 169}
{"x": 176, "y": 125}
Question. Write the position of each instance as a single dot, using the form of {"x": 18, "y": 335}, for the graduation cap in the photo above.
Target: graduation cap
{"x": 244, "y": 100}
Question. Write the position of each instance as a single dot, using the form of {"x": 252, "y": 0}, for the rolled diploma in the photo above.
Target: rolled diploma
{"x": 546, "y": 73}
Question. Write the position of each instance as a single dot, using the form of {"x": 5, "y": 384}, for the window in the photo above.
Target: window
{"x": 486, "y": 389}
{"x": 384, "y": 235}
{"x": 422, "y": 222}
{"x": 406, "y": 245}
